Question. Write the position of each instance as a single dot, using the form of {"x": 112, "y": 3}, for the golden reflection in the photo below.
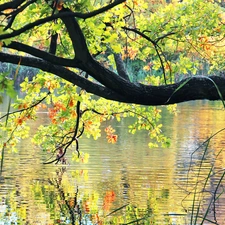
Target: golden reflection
{"x": 125, "y": 181}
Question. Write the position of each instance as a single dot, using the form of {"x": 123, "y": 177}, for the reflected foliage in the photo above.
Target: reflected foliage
{"x": 143, "y": 191}
{"x": 59, "y": 201}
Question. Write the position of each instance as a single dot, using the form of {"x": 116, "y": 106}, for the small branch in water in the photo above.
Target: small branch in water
{"x": 30, "y": 107}
{"x": 60, "y": 155}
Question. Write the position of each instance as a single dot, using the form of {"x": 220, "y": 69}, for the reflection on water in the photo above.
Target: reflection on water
{"x": 154, "y": 185}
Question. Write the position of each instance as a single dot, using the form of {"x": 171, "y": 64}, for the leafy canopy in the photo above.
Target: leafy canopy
{"x": 124, "y": 51}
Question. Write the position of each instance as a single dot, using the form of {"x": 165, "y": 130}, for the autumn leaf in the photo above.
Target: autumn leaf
{"x": 112, "y": 138}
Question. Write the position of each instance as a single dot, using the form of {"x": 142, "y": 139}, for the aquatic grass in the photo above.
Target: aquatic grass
{"x": 116, "y": 210}
{"x": 200, "y": 211}
{"x": 198, "y": 197}
{"x": 196, "y": 186}
{"x": 131, "y": 216}
{"x": 213, "y": 200}
{"x": 3, "y": 147}
{"x": 179, "y": 87}
{"x": 199, "y": 204}
{"x": 135, "y": 221}
{"x": 218, "y": 90}
{"x": 188, "y": 79}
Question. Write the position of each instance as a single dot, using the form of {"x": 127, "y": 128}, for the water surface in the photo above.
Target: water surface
{"x": 156, "y": 185}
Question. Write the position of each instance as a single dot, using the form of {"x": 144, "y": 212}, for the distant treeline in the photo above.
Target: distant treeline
{"x": 133, "y": 67}
{"x": 10, "y": 71}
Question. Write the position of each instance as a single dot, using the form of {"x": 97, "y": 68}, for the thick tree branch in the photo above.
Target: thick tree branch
{"x": 76, "y": 36}
{"x": 106, "y": 77}
{"x": 111, "y": 80}
{"x": 29, "y": 26}
{"x": 64, "y": 73}
{"x": 120, "y": 67}
{"x": 53, "y": 43}
{"x": 92, "y": 67}
{"x": 196, "y": 88}
{"x": 42, "y": 54}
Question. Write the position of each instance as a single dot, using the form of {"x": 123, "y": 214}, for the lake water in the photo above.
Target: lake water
{"x": 124, "y": 183}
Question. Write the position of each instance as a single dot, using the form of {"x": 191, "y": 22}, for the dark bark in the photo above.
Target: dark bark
{"x": 120, "y": 67}
{"x": 76, "y": 36}
{"x": 53, "y": 43}
{"x": 63, "y": 73}
{"x": 196, "y": 88}
{"x": 42, "y": 54}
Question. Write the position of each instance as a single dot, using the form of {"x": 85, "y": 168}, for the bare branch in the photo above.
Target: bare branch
{"x": 164, "y": 36}
{"x": 140, "y": 33}
{"x": 161, "y": 62}
{"x": 154, "y": 42}
{"x": 26, "y": 109}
